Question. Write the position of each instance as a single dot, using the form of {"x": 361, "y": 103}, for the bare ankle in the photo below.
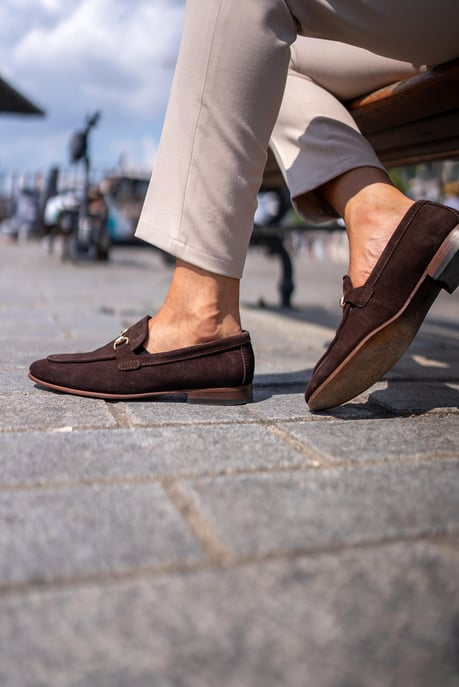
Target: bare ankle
{"x": 372, "y": 207}
{"x": 371, "y": 219}
{"x": 200, "y": 307}
{"x": 375, "y": 207}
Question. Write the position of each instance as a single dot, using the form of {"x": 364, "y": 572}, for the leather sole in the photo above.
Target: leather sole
{"x": 223, "y": 396}
{"x": 384, "y": 346}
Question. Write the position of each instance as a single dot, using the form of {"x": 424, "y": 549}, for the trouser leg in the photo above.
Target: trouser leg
{"x": 416, "y": 31}
{"x": 225, "y": 98}
{"x": 315, "y": 138}
{"x": 226, "y": 95}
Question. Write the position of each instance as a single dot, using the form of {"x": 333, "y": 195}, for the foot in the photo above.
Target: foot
{"x": 200, "y": 307}
{"x": 219, "y": 372}
{"x": 382, "y": 316}
{"x": 371, "y": 219}
{"x": 372, "y": 208}
{"x": 169, "y": 331}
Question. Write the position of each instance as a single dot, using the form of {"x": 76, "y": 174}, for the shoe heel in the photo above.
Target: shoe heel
{"x": 444, "y": 266}
{"x": 224, "y": 397}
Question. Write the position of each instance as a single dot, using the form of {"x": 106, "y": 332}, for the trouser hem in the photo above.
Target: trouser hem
{"x": 194, "y": 255}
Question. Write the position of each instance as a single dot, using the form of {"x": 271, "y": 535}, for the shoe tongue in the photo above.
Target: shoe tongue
{"x": 138, "y": 333}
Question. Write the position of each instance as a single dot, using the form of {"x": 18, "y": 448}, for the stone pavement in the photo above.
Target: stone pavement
{"x": 161, "y": 544}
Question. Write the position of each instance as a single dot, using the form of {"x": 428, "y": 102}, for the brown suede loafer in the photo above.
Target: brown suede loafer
{"x": 216, "y": 372}
{"x": 381, "y": 318}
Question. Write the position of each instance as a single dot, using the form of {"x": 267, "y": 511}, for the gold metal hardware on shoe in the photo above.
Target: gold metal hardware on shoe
{"x": 121, "y": 339}
{"x": 342, "y": 303}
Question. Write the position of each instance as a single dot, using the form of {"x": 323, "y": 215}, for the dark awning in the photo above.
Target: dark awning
{"x": 12, "y": 101}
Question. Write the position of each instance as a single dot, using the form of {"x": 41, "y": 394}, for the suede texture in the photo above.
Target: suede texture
{"x": 128, "y": 369}
{"x": 397, "y": 272}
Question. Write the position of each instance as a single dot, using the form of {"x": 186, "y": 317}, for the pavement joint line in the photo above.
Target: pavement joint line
{"x": 310, "y": 455}
{"x": 315, "y": 418}
{"x": 99, "y": 579}
{"x": 157, "y": 425}
{"x": 188, "y": 504}
{"x": 54, "y": 430}
{"x": 393, "y": 461}
{"x": 107, "y": 579}
{"x": 55, "y": 316}
{"x": 160, "y": 478}
{"x": 119, "y": 414}
{"x": 194, "y": 423}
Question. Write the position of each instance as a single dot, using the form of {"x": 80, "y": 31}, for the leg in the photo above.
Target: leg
{"x": 324, "y": 158}
{"x": 372, "y": 208}
{"x": 331, "y": 169}
{"x": 199, "y": 307}
{"x": 226, "y": 94}
{"x": 192, "y": 209}
{"x": 200, "y": 206}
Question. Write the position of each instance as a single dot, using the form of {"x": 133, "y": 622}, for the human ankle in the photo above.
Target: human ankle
{"x": 371, "y": 219}
{"x": 375, "y": 208}
{"x": 171, "y": 330}
{"x": 199, "y": 307}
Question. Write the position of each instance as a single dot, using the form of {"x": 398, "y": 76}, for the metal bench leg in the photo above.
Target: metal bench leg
{"x": 275, "y": 246}
{"x": 286, "y": 285}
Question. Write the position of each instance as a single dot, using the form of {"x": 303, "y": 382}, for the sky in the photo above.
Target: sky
{"x": 72, "y": 57}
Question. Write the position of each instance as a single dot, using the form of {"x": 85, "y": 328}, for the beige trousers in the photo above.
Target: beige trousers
{"x": 315, "y": 138}
{"x": 228, "y": 89}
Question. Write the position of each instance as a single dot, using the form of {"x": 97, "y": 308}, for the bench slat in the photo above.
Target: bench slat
{"x": 413, "y": 120}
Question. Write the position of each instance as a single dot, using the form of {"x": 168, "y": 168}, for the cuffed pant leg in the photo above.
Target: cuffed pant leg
{"x": 315, "y": 138}
{"x": 225, "y": 97}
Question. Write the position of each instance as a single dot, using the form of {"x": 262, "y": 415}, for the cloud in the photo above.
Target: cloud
{"x": 113, "y": 48}
{"x": 74, "y": 56}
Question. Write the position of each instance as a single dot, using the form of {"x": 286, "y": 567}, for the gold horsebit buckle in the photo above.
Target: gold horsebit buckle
{"x": 121, "y": 339}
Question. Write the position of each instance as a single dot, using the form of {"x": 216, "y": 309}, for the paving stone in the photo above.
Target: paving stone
{"x": 367, "y": 440}
{"x": 290, "y": 623}
{"x": 287, "y": 343}
{"x": 62, "y": 533}
{"x": 174, "y": 410}
{"x": 60, "y": 457}
{"x": 13, "y": 380}
{"x": 287, "y": 403}
{"x": 34, "y": 348}
{"x": 415, "y": 397}
{"x": 264, "y": 378}
{"x": 22, "y": 323}
{"x": 48, "y": 410}
{"x": 305, "y": 511}
{"x": 367, "y": 617}
{"x": 430, "y": 357}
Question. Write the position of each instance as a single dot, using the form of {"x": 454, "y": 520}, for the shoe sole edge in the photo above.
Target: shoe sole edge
{"x": 377, "y": 350}
{"x": 218, "y": 396}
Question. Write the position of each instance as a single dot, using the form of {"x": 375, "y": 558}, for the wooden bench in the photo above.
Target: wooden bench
{"x": 408, "y": 122}
{"x": 413, "y": 121}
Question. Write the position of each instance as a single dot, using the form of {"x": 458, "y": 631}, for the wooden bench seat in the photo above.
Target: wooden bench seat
{"x": 415, "y": 120}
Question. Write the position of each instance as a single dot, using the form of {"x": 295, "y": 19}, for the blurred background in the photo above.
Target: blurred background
{"x": 83, "y": 92}
{"x": 62, "y": 61}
